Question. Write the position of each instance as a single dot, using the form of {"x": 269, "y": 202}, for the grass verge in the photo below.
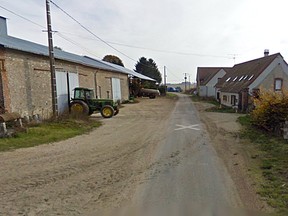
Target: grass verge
{"x": 171, "y": 95}
{"x": 273, "y": 156}
{"x": 48, "y": 132}
{"x": 216, "y": 107}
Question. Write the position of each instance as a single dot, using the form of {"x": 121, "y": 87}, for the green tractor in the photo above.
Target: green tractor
{"x": 84, "y": 102}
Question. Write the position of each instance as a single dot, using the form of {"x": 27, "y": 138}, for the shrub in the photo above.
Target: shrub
{"x": 271, "y": 110}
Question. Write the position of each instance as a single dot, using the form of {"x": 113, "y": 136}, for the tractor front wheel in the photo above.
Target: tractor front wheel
{"x": 79, "y": 107}
{"x": 107, "y": 111}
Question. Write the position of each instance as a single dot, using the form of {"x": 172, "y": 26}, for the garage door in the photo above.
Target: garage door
{"x": 116, "y": 89}
{"x": 62, "y": 88}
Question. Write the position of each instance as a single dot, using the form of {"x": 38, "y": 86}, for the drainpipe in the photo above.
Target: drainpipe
{"x": 95, "y": 84}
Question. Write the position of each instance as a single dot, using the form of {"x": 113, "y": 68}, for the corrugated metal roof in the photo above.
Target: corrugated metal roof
{"x": 38, "y": 49}
{"x": 125, "y": 70}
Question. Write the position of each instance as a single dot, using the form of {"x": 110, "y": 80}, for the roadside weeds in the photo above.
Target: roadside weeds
{"x": 273, "y": 166}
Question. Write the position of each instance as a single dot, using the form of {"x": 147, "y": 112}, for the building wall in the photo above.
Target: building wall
{"x": 277, "y": 67}
{"x": 277, "y": 72}
{"x": 104, "y": 84}
{"x": 226, "y": 99}
{"x": 211, "y": 90}
{"x": 4, "y": 90}
{"x": 202, "y": 91}
{"x": 27, "y": 83}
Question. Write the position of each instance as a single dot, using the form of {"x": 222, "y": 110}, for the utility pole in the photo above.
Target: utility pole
{"x": 185, "y": 78}
{"x": 165, "y": 87}
{"x": 52, "y": 60}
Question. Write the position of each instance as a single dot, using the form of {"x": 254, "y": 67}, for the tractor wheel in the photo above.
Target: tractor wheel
{"x": 107, "y": 111}
{"x": 79, "y": 107}
{"x": 116, "y": 112}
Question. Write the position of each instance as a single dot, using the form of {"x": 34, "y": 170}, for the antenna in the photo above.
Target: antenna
{"x": 234, "y": 57}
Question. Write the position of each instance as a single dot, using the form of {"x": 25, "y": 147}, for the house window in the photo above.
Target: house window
{"x": 278, "y": 84}
{"x": 225, "y": 98}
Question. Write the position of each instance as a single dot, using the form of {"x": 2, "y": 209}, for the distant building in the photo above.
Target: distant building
{"x": 207, "y": 78}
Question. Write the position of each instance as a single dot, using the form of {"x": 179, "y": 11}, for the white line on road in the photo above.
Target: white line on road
{"x": 183, "y": 127}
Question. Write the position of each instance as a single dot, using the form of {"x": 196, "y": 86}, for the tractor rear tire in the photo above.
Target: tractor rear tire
{"x": 107, "y": 111}
{"x": 79, "y": 107}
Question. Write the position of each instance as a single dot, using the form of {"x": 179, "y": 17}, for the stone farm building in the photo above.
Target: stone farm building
{"x": 25, "y": 83}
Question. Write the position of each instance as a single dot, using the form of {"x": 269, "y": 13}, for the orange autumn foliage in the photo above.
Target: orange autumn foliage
{"x": 271, "y": 110}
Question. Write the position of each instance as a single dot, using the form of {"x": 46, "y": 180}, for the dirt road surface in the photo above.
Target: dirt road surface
{"x": 154, "y": 153}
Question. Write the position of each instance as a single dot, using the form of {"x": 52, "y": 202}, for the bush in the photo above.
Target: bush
{"x": 271, "y": 110}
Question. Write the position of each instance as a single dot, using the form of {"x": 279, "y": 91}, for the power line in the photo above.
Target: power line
{"x": 155, "y": 50}
{"x": 90, "y": 31}
{"x": 61, "y": 34}
{"x": 22, "y": 17}
{"x": 43, "y": 27}
{"x": 76, "y": 44}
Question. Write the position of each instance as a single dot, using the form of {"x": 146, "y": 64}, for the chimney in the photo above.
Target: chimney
{"x": 3, "y": 26}
{"x": 266, "y": 52}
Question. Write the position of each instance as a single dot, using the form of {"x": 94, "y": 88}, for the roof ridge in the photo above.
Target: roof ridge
{"x": 269, "y": 56}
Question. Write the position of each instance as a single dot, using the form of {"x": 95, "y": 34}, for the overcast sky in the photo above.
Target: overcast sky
{"x": 179, "y": 34}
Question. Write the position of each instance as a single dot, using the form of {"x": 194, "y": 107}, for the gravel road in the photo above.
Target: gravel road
{"x": 154, "y": 152}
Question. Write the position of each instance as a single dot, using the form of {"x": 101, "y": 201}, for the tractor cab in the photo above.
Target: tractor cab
{"x": 83, "y": 94}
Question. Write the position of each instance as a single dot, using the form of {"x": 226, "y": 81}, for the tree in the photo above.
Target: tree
{"x": 59, "y": 48}
{"x": 148, "y": 68}
{"x": 113, "y": 59}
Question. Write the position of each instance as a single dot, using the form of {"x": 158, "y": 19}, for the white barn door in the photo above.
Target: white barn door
{"x": 62, "y": 89}
{"x": 116, "y": 89}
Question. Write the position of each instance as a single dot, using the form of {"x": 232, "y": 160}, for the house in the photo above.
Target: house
{"x": 246, "y": 79}
{"x": 25, "y": 79}
{"x": 207, "y": 78}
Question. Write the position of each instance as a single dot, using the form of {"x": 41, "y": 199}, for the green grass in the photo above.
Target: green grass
{"x": 47, "y": 132}
{"x": 216, "y": 107}
{"x": 210, "y": 100}
{"x": 171, "y": 95}
{"x": 221, "y": 109}
{"x": 273, "y": 155}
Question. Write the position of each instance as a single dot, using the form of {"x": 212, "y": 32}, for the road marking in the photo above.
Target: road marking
{"x": 183, "y": 127}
